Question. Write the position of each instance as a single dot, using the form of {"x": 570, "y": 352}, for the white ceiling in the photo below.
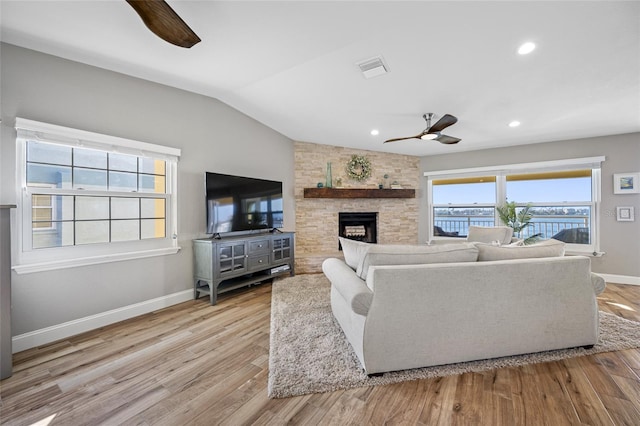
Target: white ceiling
{"x": 292, "y": 64}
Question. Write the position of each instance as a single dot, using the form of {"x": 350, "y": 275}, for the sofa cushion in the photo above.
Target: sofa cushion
{"x": 391, "y": 254}
{"x": 489, "y": 234}
{"x": 548, "y": 248}
{"x": 353, "y": 251}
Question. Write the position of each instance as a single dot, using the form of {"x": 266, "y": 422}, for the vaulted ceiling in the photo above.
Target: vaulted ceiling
{"x": 292, "y": 65}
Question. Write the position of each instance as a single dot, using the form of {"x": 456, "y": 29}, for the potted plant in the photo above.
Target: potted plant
{"x": 518, "y": 220}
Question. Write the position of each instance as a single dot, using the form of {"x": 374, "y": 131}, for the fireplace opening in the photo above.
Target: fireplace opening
{"x": 359, "y": 226}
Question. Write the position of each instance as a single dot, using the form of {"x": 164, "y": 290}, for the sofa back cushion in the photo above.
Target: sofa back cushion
{"x": 548, "y": 248}
{"x": 489, "y": 234}
{"x": 390, "y": 254}
{"x": 353, "y": 251}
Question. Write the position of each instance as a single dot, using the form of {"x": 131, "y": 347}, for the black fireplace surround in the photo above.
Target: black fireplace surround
{"x": 359, "y": 226}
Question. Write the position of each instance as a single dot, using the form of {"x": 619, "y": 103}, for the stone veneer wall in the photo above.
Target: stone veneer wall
{"x": 317, "y": 218}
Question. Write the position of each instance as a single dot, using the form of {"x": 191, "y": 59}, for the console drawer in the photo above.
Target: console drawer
{"x": 259, "y": 246}
{"x": 258, "y": 262}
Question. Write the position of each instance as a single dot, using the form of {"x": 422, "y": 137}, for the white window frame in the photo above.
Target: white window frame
{"x": 593, "y": 163}
{"x": 30, "y": 260}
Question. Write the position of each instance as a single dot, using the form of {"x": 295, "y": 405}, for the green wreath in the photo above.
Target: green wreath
{"x": 358, "y": 168}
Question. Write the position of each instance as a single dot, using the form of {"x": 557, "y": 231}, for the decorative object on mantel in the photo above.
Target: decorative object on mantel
{"x": 329, "y": 182}
{"x": 320, "y": 185}
{"x": 338, "y": 182}
{"x": 626, "y": 183}
{"x": 358, "y": 168}
{"x": 624, "y": 214}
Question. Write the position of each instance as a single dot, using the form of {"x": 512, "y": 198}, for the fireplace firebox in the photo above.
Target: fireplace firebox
{"x": 360, "y": 226}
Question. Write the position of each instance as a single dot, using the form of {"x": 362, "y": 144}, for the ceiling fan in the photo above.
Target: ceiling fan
{"x": 164, "y": 22}
{"x": 433, "y": 132}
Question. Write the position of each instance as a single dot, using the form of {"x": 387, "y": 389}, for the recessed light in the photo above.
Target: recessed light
{"x": 526, "y": 48}
{"x": 514, "y": 123}
{"x": 375, "y": 132}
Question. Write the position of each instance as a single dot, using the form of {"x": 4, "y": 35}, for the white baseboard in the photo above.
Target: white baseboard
{"x": 46, "y": 335}
{"x": 620, "y": 279}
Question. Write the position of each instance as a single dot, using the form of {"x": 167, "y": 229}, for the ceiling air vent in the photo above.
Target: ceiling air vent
{"x": 373, "y": 67}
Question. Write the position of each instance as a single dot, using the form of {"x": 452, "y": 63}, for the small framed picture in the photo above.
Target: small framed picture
{"x": 624, "y": 214}
{"x": 626, "y": 183}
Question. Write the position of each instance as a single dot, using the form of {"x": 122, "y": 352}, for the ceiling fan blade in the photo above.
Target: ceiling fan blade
{"x": 449, "y": 140}
{"x": 402, "y": 139}
{"x": 164, "y": 22}
{"x": 446, "y": 121}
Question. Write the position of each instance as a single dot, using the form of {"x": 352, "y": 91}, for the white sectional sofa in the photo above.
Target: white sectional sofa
{"x": 404, "y": 307}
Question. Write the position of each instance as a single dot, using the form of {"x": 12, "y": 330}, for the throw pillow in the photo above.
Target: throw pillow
{"x": 489, "y": 234}
{"x": 548, "y": 248}
{"x": 389, "y": 254}
{"x": 353, "y": 251}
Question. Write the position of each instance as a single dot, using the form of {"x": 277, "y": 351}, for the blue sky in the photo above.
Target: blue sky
{"x": 534, "y": 191}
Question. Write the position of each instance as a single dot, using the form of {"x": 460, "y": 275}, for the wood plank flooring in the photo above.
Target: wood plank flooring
{"x": 196, "y": 364}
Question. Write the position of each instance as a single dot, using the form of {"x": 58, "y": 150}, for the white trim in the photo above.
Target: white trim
{"x": 46, "y": 335}
{"x": 589, "y": 162}
{"x": 95, "y": 260}
{"x": 68, "y": 136}
{"x": 620, "y": 279}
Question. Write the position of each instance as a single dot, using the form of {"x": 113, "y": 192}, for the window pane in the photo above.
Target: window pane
{"x": 549, "y": 190}
{"x": 41, "y": 214}
{"x": 51, "y": 207}
{"x": 121, "y": 181}
{"x": 568, "y": 224}
{"x": 48, "y": 153}
{"x": 63, "y": 207}
{"x": 151, "y": 166}
{"x": 152, "y": 228}
{"x": 125, "y": 230}
{"x": 152, "y": 208}
{"x": 52, "y": 176}
{"x": 92, "y": 208}
{"x": 455, "y": 221}
{"x": 41, "y": 200}
{"x": 57, "y": 234}
{"x": 89, "y": 178}
{"x": 125, "y": 208}
{"x": 92, "y": 231}
{"x": 151, "y": 183}
{"x": 465, "y": 193}
{"x": 89, "y": 158}
{"x": 122, "y": 162}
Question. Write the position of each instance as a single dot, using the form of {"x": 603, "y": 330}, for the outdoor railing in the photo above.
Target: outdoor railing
{"x": 548, "y": 226}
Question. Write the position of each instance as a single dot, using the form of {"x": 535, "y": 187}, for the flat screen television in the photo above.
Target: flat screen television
{"x": 242, "y": 204}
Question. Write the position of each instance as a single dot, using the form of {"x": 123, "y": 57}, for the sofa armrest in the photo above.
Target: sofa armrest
{"x": 598, "y": 283}
{"x": 348, "y": 284}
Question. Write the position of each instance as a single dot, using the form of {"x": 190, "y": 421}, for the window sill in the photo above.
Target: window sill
{"x": 584, "y": 253}
{"x": 95, "y": 260}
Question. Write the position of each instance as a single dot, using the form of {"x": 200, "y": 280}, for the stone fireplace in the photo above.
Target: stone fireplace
{"x": 317, "y": 219}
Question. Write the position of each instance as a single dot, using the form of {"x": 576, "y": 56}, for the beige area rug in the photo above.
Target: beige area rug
{"x": 309, "y": 353}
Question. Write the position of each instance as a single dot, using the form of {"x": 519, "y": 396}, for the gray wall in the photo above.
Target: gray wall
{"x": 212, "y": 136}
{"x": 620, "y": 240}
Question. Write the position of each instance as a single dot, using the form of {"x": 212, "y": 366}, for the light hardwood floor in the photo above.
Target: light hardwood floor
{"x": 195, "y": 364}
